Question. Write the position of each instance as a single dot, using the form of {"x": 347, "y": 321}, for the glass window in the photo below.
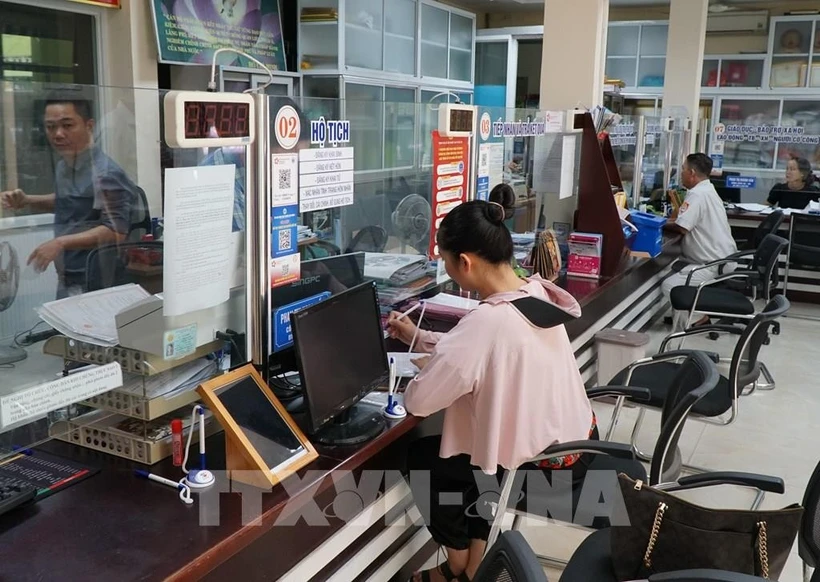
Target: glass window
{"x": 804, "y": 115}
{"x": 738, "y": 113}
{"x": 363, "y": 34}
{"x": 399, "y": 127}
{"x": 491, "y": 63}
{"x": 37, "y": 45}
{"x": 435, "y": 24}
{"x": 365, "y": 112}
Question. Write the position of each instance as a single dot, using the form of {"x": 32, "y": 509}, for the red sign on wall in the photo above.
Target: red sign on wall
{"x": 106, "y": 3}
{"x": 450, "y": 155}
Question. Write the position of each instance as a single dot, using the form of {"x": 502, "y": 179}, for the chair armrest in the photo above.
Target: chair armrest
{"x": 737, "y": 274}
{"x": 618, "y": 450}
{"x": 740, "y": 255}
{"x": 719, "y": 262}
{"x": 678, "y": 354}
{"x": 701, "y": 329}
{"x": 766, "y": 483}
{"x": 631, "y": 392}
{"x": 703, "y": 575}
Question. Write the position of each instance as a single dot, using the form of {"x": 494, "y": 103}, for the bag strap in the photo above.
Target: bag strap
{"x": 540, "y": 313}
{"x": 762, "y": 549}
{"x": 653, "y": 535}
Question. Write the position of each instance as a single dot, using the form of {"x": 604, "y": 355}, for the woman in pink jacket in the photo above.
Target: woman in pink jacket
{"x": 506, "y": 377}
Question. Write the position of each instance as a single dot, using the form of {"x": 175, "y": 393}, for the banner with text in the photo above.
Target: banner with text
{"x": 450, "y": 167}
{"x": 190, "y": 32}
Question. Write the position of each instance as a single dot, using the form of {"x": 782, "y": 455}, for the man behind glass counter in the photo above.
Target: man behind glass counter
{"x": 92, "y": 198}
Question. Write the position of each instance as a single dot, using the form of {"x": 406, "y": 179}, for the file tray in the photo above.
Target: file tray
{"x": 131, "y": 361}
{"x": 129, "y": 438}
{"x": 137, "y": 407}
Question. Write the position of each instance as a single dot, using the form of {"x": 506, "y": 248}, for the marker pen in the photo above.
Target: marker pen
{"x": 176, "y": 436}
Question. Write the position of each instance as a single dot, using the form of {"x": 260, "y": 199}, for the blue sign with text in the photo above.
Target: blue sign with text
{"x": 282, "y": 332}
{"x": 741, "y": 182}
{"x": 717, "y": 160}
{"x": 283, "y": 241}
{"x": 482, "y": 191}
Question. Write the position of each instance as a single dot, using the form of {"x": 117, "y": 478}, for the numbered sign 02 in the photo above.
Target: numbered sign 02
{"x": 287, "y": 127}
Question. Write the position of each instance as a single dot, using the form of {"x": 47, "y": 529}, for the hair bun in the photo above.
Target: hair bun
{"x": 495, "y": 213}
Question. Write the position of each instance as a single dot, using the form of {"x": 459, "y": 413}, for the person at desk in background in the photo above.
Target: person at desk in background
{"x": 702, "y": 221}
{"x": 92, "y": 198}
{"x": 800, "y": 187}
{"x": 503, "y": 404}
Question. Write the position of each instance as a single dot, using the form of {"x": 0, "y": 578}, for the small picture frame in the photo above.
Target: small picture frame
{"x": 263, "y": 445}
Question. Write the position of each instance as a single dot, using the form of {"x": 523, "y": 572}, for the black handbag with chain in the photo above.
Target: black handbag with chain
{"x": 666, "y": 533}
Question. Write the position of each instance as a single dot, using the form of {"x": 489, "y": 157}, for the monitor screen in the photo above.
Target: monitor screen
{"x": 340, "y": 348}
{"x": 260, "y": 422}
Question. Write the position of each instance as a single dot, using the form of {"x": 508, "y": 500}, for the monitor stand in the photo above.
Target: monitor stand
{"x": 354, "y": 426}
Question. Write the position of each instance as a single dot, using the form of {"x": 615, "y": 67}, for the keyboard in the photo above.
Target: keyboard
{"x": 14, "y": 493}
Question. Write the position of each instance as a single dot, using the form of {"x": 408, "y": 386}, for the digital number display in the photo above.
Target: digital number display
{"x": 461, "y": 120}
{"x": 209, "y": 120}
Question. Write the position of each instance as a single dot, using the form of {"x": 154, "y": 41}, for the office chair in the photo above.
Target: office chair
{"x": 808, "y": 538}
{"x": 804, "y": 247}
{"x": 696, "y": 378}
{"x": 140, "y": 217}
{"x": 511, "y": 559}
{"x": 769, "y": 225}
{"x": 319, "y": 250}
{"x": 106, "y": 266}
{"x": 744, "y": 370}
{"x": 370, "y": 239}
{"x": 761, "y": 276}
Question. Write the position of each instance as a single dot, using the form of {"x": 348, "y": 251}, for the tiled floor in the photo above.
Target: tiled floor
{"x": 773, "y": 434}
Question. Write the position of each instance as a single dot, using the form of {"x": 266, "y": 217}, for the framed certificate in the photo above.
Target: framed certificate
{"x": 263, "y": 443}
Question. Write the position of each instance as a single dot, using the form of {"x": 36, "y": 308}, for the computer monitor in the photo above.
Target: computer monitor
{"x": 319, "y": 279}
{"x": 731, "y": 195}
{"x": 342, "y": 358}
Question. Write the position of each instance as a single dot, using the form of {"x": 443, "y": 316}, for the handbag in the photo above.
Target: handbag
{"x": 666, "y": 533}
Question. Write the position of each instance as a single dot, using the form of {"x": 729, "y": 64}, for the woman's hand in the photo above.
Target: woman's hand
{"x": 400, "y": 329}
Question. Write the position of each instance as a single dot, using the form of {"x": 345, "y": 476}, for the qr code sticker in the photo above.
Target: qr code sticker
{"x": 284, "y": 239}
{"x": 285, "y": 178}
{"x": 285, "y": 270}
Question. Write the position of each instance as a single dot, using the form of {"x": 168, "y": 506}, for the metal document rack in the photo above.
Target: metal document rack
{"x": 143, "y": 439}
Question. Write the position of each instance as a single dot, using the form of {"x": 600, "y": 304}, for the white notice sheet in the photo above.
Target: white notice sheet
{"x": 197, "y": 251}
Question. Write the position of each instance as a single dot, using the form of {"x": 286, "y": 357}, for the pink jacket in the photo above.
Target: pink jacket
{"x": 510, "y": 389}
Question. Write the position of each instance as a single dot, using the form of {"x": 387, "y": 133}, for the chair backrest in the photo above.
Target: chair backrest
{"x": 696, "y": 377}
{"x": 768, "y": 225}
{"x": 766, "y": 259}
{"x": 370, "y": 239}
{"x": 745, "y": 368}
{"x": 106, "y": 266}
{"x": 808, "y": 540}
{"x": 511, "y": 559}
{"x": 140, "y": 217}
{"x": 804, "y": 239}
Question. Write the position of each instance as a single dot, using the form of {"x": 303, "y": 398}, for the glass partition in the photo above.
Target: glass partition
{"x": 114, "y": 304}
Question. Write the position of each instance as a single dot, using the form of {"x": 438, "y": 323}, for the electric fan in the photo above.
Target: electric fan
{"x": 9, "y": 283}
{"x": 411, "y": 222}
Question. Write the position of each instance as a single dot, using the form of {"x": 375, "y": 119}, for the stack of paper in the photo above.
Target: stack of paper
{"x": 394, "y": 269}
{"x": 171, "y": 382}
{"x": 90, "y": 317}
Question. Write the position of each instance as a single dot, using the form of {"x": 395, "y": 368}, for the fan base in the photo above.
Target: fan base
{"x": 11, "y": 354}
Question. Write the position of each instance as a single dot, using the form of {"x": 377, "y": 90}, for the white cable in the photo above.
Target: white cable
{"x": 416, "y": 333}
{"x": 437, "y": 95}
{"x": 212, "y": 84}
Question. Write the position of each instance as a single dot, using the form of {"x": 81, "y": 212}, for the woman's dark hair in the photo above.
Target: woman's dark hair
{"x": 504, "y": 195}
{"x": 477, "y": 227}
{"x": 804, "y": 167}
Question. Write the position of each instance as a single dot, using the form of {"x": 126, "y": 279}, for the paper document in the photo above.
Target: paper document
{"x": 751, "y": 206}
{"x": 171, "y": 382}
{"x": 90, "y": 317}
{"x": 447, "y": 300}
{"x": 405, "y": 368}
{"x": 567, "y": 167}
{"x": 198, "y": 216}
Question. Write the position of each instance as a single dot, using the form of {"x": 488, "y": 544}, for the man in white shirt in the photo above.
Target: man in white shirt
{"x": 705, "y": 228}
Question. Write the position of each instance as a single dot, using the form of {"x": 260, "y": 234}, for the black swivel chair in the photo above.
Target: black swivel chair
{"x": 744, "y": 371}
{"x": 511, "y": 559}
{"x": 804, "y": 247}
{"x": 760, "y": 276}
{"x": 696, "y": 378}
{"x": 370, "y": 239}
{"x": 769, "y": 225}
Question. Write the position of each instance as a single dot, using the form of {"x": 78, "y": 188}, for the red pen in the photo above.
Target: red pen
{"x": 176, "y": 436}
